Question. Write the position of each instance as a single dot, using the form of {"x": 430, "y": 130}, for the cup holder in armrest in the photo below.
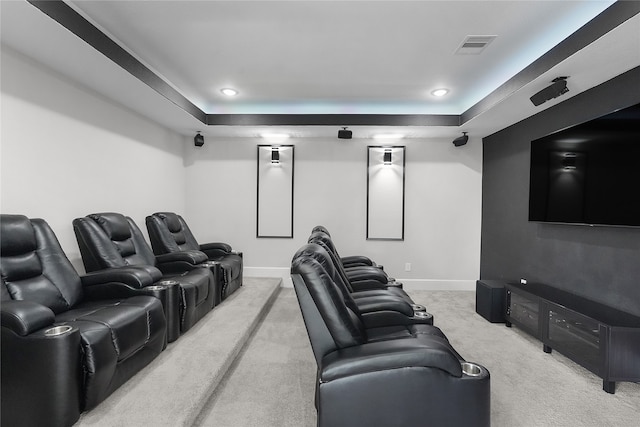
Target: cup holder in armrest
{"x": 57, "y": 331}
{"x": 423, "y": 317}
{"x": 207, "y": 264}
{"x": 168, "y": 292}
{"x": 418, "y": 307}
{"x": 166, "y": 283}
{"x": 471, "y": 369}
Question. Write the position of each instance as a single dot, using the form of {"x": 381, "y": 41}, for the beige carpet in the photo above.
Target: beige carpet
{"x": 173, "y": 389}
{"x": 529, "y": 387}
{"x": 272, "y": 382}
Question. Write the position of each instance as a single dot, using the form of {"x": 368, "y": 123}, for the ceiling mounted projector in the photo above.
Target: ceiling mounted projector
{"x": 344, "y": 133}
{"x": 558, "y": 87}
{"x": 461, "y": 140}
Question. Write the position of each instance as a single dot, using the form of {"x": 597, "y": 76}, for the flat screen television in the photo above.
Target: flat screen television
{"x": 588, "y": 173}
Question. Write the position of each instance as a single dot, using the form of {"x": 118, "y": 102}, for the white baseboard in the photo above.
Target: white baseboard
{"x": 282, "y": 272}
{"x": 408, "y": 284}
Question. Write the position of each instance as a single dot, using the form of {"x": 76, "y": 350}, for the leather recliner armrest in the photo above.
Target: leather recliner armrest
{"x": 356, "y": 260}
{"x": 179, "y": 262}
{"x": 135, "y": 276}
{"x": 384, "y": 302}
{"x": 216, "y": 246}
{"x": 381, "y": 311}
{"x": 364, "y": 285}
{"x": 356, "y": 274}
{"x": 389, "y": 355}
{"x": 25, "y": 317}
{"x": 217, "y": 250}
{"x": 192, "y": 257}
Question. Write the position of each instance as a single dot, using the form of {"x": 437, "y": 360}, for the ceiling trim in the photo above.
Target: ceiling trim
{"x": 609, "y": 19}
{"x": 333, "y": 119}
{"x": 70, "y": 19}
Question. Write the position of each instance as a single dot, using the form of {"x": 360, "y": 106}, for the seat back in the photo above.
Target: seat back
{"x": 109, "y": 239}
{"x": 168, "y": 233}
{"x": 320, "y": 254}
{"x": 33, "y": 265}
{"x": 325, "y": 242}
{"x": 320, "y": 298}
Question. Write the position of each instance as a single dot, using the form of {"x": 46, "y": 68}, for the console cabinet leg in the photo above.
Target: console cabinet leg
{"x": 507, "y": 324}
{"x": 609, "y": 386}
{"x": 546, "y": 348}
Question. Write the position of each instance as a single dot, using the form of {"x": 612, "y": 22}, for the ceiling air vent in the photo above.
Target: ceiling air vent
{"x": 473, "y": 45}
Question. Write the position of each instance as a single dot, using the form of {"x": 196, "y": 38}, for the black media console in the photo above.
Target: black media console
{"x": 603, "y": 340}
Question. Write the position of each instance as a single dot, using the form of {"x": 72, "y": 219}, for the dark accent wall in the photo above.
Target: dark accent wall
{"x": 600, "y": 263}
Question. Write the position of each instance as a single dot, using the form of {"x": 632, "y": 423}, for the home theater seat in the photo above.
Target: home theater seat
{"x": 386, "y": 379}
{"x": 169, "y": 233}
{"x": 376, "y": 308}
{"x": 350, "y": 260}
{"x": 64, "y": 352}
{"x": 368, "y": 279}
{"x": 111, "y": 240}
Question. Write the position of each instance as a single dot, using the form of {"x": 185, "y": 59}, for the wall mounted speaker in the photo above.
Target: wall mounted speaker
{"x": 461, "y": 140}
{"x": 198, "y": 140}
{"x": 345, "y": 134}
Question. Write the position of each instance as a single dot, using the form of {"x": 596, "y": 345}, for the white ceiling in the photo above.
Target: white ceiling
{"x": 326, "y": 57}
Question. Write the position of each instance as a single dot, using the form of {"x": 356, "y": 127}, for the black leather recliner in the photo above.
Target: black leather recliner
{"x": 364, "y": 279}
{"x": 169, "y": 233}
{"x": 350, "y": 260}
{"x": 389, "y": 380}
{"x": 63, "y": 352}
{"x": 112, "y": 240}
{"x": 355, "y": 272}
{"x": 378, "y": 307}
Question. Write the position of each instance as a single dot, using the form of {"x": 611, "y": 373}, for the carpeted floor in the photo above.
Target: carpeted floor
{"x": 272, "y": 383}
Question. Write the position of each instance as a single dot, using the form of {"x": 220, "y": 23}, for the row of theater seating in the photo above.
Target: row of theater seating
{"x": 380, "y": 360}
{"x": 69, "y": 341}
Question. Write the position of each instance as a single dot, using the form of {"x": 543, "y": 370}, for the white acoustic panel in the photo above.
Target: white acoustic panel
{"x": 385, "y": 193}
{"x": 275, "y": 191}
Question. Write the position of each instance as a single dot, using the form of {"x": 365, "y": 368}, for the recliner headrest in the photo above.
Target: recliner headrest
{"x": 317, "y": 252}
{"x": 115, "y": 225}
{"x": 322, "y": 229}
{"x": 172, "y": 220}
{"x": 18, "y": 235}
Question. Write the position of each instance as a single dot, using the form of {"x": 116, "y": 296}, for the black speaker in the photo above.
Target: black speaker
{"x": 461, "y": 140}
{"x": 198, "y": 140}
{"x": 490, "y": 297}
{"x": 558, "y": 87}
{"x": 345, "y": 134}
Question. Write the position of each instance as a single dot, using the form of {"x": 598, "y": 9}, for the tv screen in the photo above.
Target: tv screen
{"x": 588, "y": 173}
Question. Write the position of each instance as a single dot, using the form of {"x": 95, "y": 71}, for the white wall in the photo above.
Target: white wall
{"x": 442, "y": 216}
{"x": 67, "y": 152}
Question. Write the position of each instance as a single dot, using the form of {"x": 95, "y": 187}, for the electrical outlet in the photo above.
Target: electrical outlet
{"x": 523, "y": 281}
{"x": 407, "y": 266}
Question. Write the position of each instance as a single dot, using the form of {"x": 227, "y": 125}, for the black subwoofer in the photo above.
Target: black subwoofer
{"x": 490, "y": 296}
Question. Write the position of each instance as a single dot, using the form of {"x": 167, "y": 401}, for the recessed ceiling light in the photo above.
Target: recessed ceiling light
{"x": 440, "y": 92}
{"x": 229, "y": 91}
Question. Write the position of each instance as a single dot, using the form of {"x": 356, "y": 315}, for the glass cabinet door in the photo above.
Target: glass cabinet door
{"x": 575, "y": 334}
{"x": 524, "y": 311}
